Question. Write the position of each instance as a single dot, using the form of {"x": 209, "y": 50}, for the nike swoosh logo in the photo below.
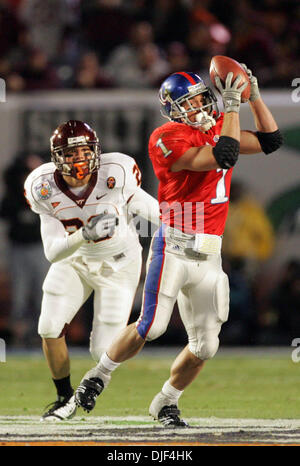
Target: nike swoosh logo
{"x": 100, "y": 197}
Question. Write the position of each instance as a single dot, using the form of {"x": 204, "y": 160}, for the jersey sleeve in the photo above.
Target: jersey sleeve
{"x": 144, "y": 205}
{"x": 32, "y": 199}
{"x": 132, "y": 178}
{"x": 58, "y": 245}
{"x": 167, "y": 147}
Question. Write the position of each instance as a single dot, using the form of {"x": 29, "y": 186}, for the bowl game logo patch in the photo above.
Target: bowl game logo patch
{"x": 43, "y": 190}
{"x": 111, "y": 182}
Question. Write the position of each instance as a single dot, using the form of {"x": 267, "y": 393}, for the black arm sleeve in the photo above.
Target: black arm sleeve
{"x": 270, "y": 141}
{"x": 226, "y": 151}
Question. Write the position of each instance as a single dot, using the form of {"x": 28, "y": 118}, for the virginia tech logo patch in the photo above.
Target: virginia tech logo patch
{"x": 111, "y": 182}
{"x": 43, "y": 190}
{"x": 80, "y": 202}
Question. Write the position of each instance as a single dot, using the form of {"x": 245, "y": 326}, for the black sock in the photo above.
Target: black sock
{"x": 63, "y": 387}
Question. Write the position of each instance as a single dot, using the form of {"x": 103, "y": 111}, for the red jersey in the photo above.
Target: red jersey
{"x": 193, "y": 202}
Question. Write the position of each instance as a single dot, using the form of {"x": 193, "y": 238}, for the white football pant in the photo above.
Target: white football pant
{"x": 198, "y": 284}
{"x": 68, "y": 285}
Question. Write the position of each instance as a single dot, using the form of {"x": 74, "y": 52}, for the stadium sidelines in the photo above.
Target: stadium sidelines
{"x": 169, "y": 351}
{"x": 159, "y": 352}
{"x": 138, "y": 430}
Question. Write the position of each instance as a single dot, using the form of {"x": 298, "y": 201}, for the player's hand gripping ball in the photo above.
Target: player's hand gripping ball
{"x": 221, "y": 66}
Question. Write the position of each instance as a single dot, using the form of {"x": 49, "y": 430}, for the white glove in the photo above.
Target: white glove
{"x": 100, "y": 227}
{"x": 254, "y": 93}
{"x": 231, "y": 93}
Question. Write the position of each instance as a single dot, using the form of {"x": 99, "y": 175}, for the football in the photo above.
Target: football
{"x": 221, "y": 66}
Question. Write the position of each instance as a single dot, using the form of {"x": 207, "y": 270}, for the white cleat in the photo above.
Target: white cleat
{"x": 61, "y": 410}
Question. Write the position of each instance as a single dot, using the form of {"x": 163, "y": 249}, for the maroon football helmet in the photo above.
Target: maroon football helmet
{"x": 73, "y": 134}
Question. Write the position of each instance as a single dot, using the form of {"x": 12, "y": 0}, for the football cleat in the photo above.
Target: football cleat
{"x": 60, "y": 410}
{"x": 169, "y": 417}
{"x": 166, "y": 412}
{"x": 87, "y": 393}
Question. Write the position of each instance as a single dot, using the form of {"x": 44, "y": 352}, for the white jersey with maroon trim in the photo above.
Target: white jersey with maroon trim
{"x": 112, "y": 189}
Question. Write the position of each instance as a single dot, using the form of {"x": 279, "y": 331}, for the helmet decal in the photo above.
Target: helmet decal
{"x": 188, "y": 77}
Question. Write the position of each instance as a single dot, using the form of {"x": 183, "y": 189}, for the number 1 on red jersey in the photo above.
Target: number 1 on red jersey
{"x": 221, "y": 189}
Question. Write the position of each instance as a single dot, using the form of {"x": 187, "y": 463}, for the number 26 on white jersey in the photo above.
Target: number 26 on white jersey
{"x": 220, "y": 189}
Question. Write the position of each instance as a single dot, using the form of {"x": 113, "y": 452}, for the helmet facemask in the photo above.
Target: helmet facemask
{"x": 78, "y": 169}
{"x": 206, "y": 113}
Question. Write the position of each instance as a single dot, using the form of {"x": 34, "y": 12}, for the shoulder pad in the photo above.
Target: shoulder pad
{"x": 38, "y": 187}
{"x": 117, "y": 157}
{"x": 116, "y": 163}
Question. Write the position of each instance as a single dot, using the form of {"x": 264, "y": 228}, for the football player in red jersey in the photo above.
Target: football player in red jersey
{"x": 193, "y": 157}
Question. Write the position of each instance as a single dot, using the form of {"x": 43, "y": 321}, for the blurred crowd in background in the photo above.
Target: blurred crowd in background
{"x": 94, "y": 44}
{"x": 102, "y": 44}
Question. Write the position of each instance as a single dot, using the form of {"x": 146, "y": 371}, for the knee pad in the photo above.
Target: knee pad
{"x": 207, "y": 346}
{"x": 150, "y": 330}
{"x": 158, "y": 327}
{"x": 48, "y": 328}
{"x": 155, "y": 315}
{"x": 52, "y": 323}
{"x": 204, "y": 328}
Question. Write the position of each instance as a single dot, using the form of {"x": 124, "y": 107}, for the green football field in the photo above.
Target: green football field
{"x": 235, "y": 384}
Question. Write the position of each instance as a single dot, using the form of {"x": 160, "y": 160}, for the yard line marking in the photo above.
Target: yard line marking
{"x": 141, "y": 430}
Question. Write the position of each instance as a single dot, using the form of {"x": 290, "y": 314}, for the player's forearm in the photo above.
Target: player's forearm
{"x": 231, "y": 125}
{"x": 268, "y": 138}
{"x": 57, "y": 249}
{"x": 58, "y": 245}
{"x": 263, "y": 118}
{"x": 249, "y": 143}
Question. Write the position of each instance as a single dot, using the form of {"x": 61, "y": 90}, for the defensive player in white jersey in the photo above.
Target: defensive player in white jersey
{"x": 86, "y": 202}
